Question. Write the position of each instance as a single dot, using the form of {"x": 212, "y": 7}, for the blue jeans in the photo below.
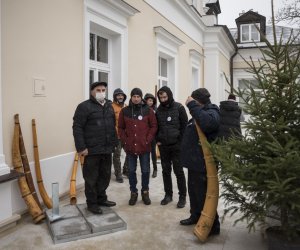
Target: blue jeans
{"x": 145, "y": 169}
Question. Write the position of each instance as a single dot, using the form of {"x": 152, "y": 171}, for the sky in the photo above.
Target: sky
{"x": 230, "y": 10}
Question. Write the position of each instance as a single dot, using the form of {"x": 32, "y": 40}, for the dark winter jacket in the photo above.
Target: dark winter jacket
{"x": 208, "y": 119}
{"x": 171, "y": 120}
{"x": 230, "y": 114}
{"x": 94, "y": 127}
{"x": 137, "y": 128}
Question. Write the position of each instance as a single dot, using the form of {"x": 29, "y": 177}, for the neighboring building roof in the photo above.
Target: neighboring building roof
{"x": 280, "y": 30}
{"x": 249, "y": 16}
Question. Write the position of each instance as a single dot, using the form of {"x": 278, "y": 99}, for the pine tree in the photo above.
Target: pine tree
{"x": 260, "y": 172}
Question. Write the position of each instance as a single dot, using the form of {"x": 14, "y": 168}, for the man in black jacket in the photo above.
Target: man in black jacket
{"x": 172, "y": 119}
{"x": 207, "y": 116}
{"x": 230, "y": 116}
{"x": 95, "y": 138}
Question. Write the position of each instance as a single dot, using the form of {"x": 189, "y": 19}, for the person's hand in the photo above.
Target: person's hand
{"x": 189, "y": 99}
{"x": 83, "y": 153}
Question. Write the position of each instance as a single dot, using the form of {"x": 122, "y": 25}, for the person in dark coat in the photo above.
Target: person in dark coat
{"x": 151, "y": 102}
{"x": 207, "y": 116}
{"x": 137, "y": 128}
{"x": 118, "y": 104}
{"x": 172, "y": 120}
{"x": 95, "y": 138}
{"x": 230, "y": 114}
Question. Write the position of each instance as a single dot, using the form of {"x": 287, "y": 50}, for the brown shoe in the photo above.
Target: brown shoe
{"x": 145, "y": 198}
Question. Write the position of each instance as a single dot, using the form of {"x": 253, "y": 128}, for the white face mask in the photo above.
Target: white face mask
{"x": 100, "y": 96}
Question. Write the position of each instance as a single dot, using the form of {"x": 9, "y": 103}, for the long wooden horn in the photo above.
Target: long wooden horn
{"x": 47, "y": 201}
{"x": 34, "y": 209}
{"x": 209, "y": 211}
{"x": 73, "y": 199}
{"x": 26, "y": 166}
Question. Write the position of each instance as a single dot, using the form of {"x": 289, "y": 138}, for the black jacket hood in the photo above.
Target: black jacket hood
{"x": 117, "y": 92}
{"x": 169, "y": 93}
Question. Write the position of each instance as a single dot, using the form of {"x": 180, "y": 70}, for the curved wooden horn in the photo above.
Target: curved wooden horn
{"x": 26, "y": 166}
{"x": 209, "y": 211}
{"x": 34, "y": 210}
{"x": 47, "y": 201}
{"x": 73, "y": 199}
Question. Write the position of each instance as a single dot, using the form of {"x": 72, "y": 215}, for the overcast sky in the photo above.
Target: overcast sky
{"x": 231, "y": 8}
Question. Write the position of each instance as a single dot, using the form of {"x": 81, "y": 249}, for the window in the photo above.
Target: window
{"x": 195, "y": 60}
{"x": 162, "y": 72}
{"x": 167, "y": 48}
{"x": 195, "y": 78}
{"x": 99, "y": 67}
{"x": 250, "y": 33}
{"x": 244, "y": 84}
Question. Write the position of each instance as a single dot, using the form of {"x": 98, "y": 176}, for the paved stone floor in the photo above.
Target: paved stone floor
{"x": 148, "y": 227}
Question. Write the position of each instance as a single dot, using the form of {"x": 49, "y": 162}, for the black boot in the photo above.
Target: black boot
{"x": 188, "y": 221}
{"x": 182, "y": 201}
{"x": 133, "y": 198}
{"x": 145, "y": 198}
{"x": 154, "y": 174}
{"x": 94, "y": 209}
{"x": 119, "y": 178}
{"x": 167, "y": 199}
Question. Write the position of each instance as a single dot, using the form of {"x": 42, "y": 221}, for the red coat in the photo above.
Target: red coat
{"x": 137, "y": 128}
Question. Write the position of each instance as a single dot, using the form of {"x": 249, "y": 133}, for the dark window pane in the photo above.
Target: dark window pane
{"x": 91, "y": 76}
{"x": 102, "y": 77}
{"x": 102, "y": 49}
{"x": 164, "y": 67}
{"x": 92, "y": 46}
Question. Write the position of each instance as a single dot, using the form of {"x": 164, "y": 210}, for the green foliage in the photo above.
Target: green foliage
{"x": 260, "y": 172}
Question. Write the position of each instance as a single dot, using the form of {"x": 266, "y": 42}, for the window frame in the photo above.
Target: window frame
{"x": 251, "y": 26}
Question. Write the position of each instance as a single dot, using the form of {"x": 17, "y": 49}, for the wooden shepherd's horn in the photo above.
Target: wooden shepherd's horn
{"x": 73, "y": 199}
{"x": 34, "y": 209}
{"x": 209, "y": 211}
{"x": 26, "y": 166}
{"x": 47, "y": 201}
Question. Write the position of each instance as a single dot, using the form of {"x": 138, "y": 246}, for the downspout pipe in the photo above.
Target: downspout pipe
{"x": 231, "y": 70}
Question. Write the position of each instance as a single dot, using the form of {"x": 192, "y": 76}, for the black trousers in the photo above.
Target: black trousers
{"x": 96, "y": 173}
{"x": 197, "y": 186}
{"x": 171, "y": 155}
{"x": 153, "y": 155}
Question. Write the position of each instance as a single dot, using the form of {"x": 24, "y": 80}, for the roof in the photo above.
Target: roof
{"x": 280, "y": 30}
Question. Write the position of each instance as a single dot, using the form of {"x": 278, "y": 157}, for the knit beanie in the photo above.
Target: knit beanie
{"x": 136, "y": 91}
{"x": 201, "y": 95}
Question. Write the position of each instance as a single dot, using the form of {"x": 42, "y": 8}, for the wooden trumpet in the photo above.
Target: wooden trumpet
{"x": 34, "y": 210}
{"x": 209, "y": 211}
{"x": 73, "y": 199}
{"x": 26, "y": 166}
{"x": 47, "y": 201}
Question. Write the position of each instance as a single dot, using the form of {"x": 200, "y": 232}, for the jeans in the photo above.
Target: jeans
{"x": 145, "y": 169}
{"x": 96, "y": 173}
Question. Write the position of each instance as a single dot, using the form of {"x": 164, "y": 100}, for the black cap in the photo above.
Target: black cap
{"x": 231, "y": 97}
{"x": 136, "y": 91}
{"x": 201, "y": 95}
{"x": 96, "y": 84}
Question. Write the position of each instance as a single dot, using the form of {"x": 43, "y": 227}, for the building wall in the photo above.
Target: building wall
{"x": 44, "y": 40}
{"x": 143, "y": 55}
